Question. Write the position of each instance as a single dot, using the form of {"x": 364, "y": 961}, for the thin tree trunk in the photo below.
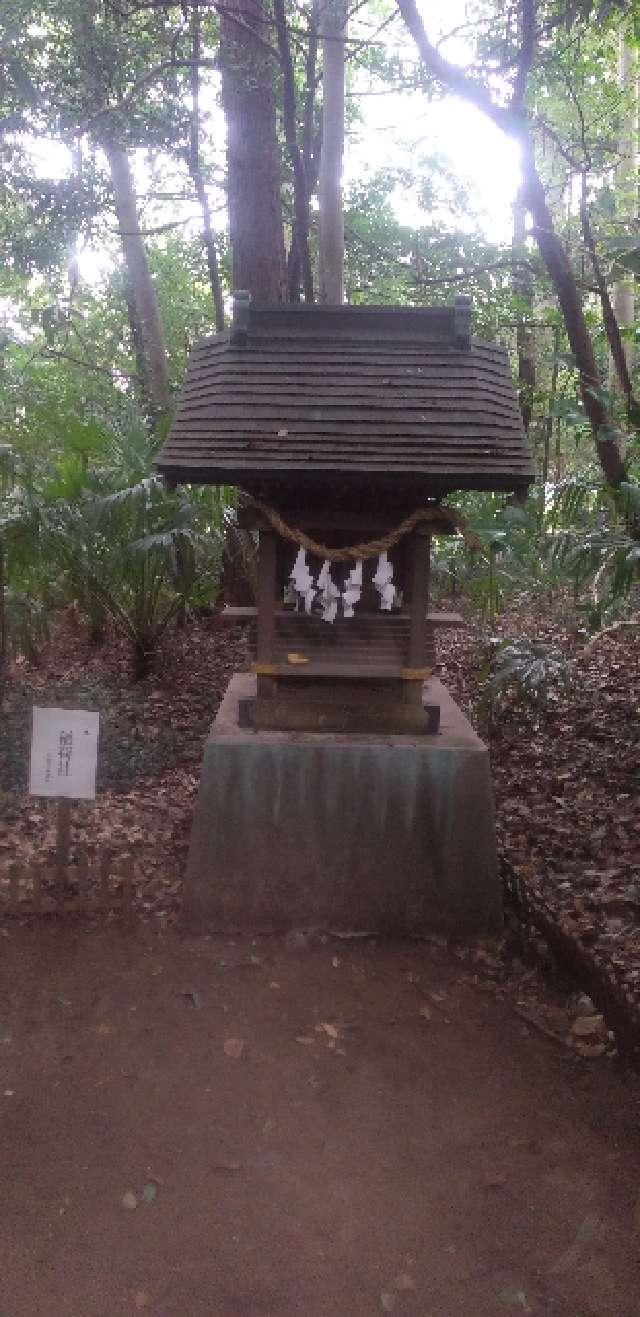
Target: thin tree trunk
{"x": 332, "y": 32}
{"x": 566, "y": 288}
{"x": 195, "y": 171}
{"x": 523, "y": 287}
{"x": 300, "y": 266}
{"x": 548, "y": 428}
{"x": 610, "y": 320}
{"x": 253, "y": 156}
{"x": 311, "y": 143}
{"x": 145, "y": 302}
{"x": 626, "y": 182}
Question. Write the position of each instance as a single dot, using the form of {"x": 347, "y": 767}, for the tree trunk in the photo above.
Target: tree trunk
{"x": 253, "y": 156}
{"x": 195, "y": 171}
{"x": 299, "y": 264}
{"x": 523, "y": 287}
{"x": 566, "y": 288}
{"x": 626, "y": 182}
{"x": 145, "y": 302}
{"x": 332, "y": 31}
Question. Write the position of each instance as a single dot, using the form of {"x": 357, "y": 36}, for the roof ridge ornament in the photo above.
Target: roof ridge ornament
{"x": 240, "y": 321}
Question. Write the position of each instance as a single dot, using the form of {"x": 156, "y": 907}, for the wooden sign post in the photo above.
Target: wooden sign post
{"x": 64, "y": 756}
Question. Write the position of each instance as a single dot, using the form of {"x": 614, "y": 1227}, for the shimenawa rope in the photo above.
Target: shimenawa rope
{"x": 446, "y": 518}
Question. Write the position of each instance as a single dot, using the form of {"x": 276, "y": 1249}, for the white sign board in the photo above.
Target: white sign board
{"x": 64, "y": 753}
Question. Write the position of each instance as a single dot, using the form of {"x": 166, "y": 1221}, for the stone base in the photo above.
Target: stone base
{"x": 363, "y": 833}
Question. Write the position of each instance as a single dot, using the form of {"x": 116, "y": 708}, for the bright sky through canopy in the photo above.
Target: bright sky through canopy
{"x": 395, "y": 129}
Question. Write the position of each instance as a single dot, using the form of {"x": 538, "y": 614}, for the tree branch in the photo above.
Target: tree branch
{"x": 167, "y": 66}
{"x": 451, "y": 75}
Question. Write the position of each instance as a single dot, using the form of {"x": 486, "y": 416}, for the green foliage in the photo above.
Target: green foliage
{"x": 578, "y": 542}
{"x": 524, "y": 674}
{"x": 139, "y": 555}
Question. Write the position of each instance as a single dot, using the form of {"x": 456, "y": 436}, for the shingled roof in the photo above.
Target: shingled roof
{"x": 347, "y": 392}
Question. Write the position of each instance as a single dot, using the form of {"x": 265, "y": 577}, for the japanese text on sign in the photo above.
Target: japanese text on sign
{"x": 64, "y": 753}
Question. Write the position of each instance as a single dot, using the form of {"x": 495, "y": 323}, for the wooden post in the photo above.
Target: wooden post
{"x": 419, "y": 565}
{"x": 63, "y": 843}
{"x": 266, "y": 605}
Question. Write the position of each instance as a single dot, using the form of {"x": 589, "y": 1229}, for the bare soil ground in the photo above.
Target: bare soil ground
{"x": 205, "y": 1128}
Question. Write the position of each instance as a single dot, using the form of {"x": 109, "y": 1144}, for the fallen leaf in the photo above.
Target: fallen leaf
{"x": 129, "y": 1200}
{"x": 495, "y": 1180}
{"x": 225, "y": 1166}
{"x": 329, "y": 1029}
{"x": 234, "y": 1047}
{"x": 141, "y": 1299}
{"x": 404, "y": 1282}
{"x": 150, "y": 1191}
{"x": 305, "y": 1042}
{"x": 587, "y": 1025}
{"x": 515, "y": 1299}
{"x": 425, "y": 1012}
{"x": 105, "y": 1030}
{"x": 387, "y": 1301}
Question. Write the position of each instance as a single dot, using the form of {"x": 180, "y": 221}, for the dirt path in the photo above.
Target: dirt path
{"x": 357, "y": 1157}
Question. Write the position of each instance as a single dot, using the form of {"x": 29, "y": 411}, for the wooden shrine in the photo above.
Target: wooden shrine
{"x": 325, "y": 801}
{"x": 345, "y": 427}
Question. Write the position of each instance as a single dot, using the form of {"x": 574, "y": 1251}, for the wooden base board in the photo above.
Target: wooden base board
{"x": 386, "y": 718}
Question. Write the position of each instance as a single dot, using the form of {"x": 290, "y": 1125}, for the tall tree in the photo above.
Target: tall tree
{"x": 195, "y": 168}
{"x": 523, "y": 288}
{"x": 333, "y": 31}
{"x": 253, "y": 155}
{"x": 627, "y": 190}
{"x": 148, "y": 330}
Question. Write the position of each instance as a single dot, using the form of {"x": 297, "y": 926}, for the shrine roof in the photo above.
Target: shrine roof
{"x": 342, "y": 391}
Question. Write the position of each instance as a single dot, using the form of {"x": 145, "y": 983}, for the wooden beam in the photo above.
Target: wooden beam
{"x": 267, "y": 559}
{"x": 419, "y": 562}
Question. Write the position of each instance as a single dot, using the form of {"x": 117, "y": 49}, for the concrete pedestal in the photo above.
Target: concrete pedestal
{"x": 383, "y": 834}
